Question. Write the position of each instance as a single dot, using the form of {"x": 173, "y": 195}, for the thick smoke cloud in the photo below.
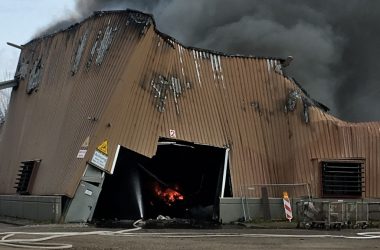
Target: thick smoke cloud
{"x": 334, "y": 42}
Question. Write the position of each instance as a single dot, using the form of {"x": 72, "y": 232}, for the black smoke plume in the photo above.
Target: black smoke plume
{"x": 335, "y": 43}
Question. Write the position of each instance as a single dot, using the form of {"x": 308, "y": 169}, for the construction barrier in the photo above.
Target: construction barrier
{"x": 287, "y": 207}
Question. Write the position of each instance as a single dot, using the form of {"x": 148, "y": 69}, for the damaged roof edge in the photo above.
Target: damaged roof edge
{"x": 314, "y": 102}
{"x": 163, "y": 35}
{"x": 173, "y": 40}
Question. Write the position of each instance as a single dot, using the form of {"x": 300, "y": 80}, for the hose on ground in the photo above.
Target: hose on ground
{"x": 39, "y": 243}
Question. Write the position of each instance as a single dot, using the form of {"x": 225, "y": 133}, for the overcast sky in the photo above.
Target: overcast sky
{"x": 20, "y": 20}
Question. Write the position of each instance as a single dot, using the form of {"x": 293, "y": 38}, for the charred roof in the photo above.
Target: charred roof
{"x": 150, "y": 18}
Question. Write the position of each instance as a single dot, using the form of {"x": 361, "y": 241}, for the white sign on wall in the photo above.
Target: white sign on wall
{"x": 99, "y": 159}
{"x": 172, "y": 133}
{"x": 81, "y": 154}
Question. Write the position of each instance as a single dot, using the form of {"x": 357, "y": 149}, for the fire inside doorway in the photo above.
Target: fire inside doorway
{"x": 183, "y": 180}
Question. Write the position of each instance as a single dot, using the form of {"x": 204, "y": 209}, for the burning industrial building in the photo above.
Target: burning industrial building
{"x": 111, "y": 118}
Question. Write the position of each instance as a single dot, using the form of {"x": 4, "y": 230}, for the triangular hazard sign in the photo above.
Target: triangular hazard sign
{"x": 103, "y": 147}
{"x": 86, "y": 142}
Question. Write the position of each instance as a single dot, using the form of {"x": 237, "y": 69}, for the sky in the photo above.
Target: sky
{"x": 20, "y": 20}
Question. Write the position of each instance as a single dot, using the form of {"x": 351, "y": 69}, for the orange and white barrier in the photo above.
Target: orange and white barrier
{"x": 287, "y": 207}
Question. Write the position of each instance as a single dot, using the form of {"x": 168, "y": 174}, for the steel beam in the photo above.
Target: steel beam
{"x": 8, "y": 84}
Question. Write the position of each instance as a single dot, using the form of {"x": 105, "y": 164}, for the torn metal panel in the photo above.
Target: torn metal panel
{"x": 79, "y": 52}
{"x": 306, "y": 94}
{"x": 278, "y": 68}
{"x": 161, "y": 90}
{"x": 219, "y": 64}
{"x": 291, "y": 104}
{"x": 180, "y": 52}
{"x": 101, "y": 47}
{"x": 4, "y": 100}
{"x": 177, "y": 91}
{"x": 176, "y": 86}
{"x": 216, "y": 67}
{"x": 306, "y": 105}
{"x": 22, "y": 69}
{"x": 197, "y": 66}
{"x": 213, "y": 66}
{"x": 93, "y": 49}
{"x": 105, "y": 44}
{"x": 170, "y": 42}
{"x": 35, "y": 76}
{"x": 204, "y": 55}
{"x": 269, "y": 65}
{"x": 274, "y": 65}
{"x": 291, "y": 101}
{"x": 140, "y": 21}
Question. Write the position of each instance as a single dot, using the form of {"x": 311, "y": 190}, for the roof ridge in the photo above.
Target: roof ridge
{"x": 160, "y": 33}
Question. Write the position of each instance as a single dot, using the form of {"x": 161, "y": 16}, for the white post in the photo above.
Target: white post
{"x": 224, "y": 172}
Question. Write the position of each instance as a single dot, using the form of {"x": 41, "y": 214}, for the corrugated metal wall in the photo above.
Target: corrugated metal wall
{"x": 147, "y": 85}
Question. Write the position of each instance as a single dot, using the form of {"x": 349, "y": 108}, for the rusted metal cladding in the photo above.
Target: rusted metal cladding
{"x": 52, "y": 122}
{"x": 131, "y": 84}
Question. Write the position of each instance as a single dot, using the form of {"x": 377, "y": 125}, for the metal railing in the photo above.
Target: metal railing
{"x": 332, "y": 214}
{"x": 266, "y": 191}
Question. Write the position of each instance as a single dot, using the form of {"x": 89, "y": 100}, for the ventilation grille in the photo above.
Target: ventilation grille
{"x": 342, "y": 179}
{"x": 26, "y": 175}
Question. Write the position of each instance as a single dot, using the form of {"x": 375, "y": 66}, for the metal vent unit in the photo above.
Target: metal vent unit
{"x": 342, "y": 179}
{"x": 27, "y": 174}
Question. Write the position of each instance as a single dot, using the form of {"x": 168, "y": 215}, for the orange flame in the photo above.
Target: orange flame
{"x": 168, "y": 195}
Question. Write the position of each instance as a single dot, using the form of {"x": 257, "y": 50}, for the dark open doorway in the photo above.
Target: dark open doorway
{"x": 183, "y": 180}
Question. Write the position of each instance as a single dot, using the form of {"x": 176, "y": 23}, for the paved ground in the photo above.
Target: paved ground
{"x": 227, "y": 238}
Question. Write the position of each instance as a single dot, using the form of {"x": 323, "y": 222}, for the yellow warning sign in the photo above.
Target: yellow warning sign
{"x": 103, "y": 147}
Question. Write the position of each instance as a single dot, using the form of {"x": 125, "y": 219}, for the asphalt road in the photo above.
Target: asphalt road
{"x": 230, "y": 238}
